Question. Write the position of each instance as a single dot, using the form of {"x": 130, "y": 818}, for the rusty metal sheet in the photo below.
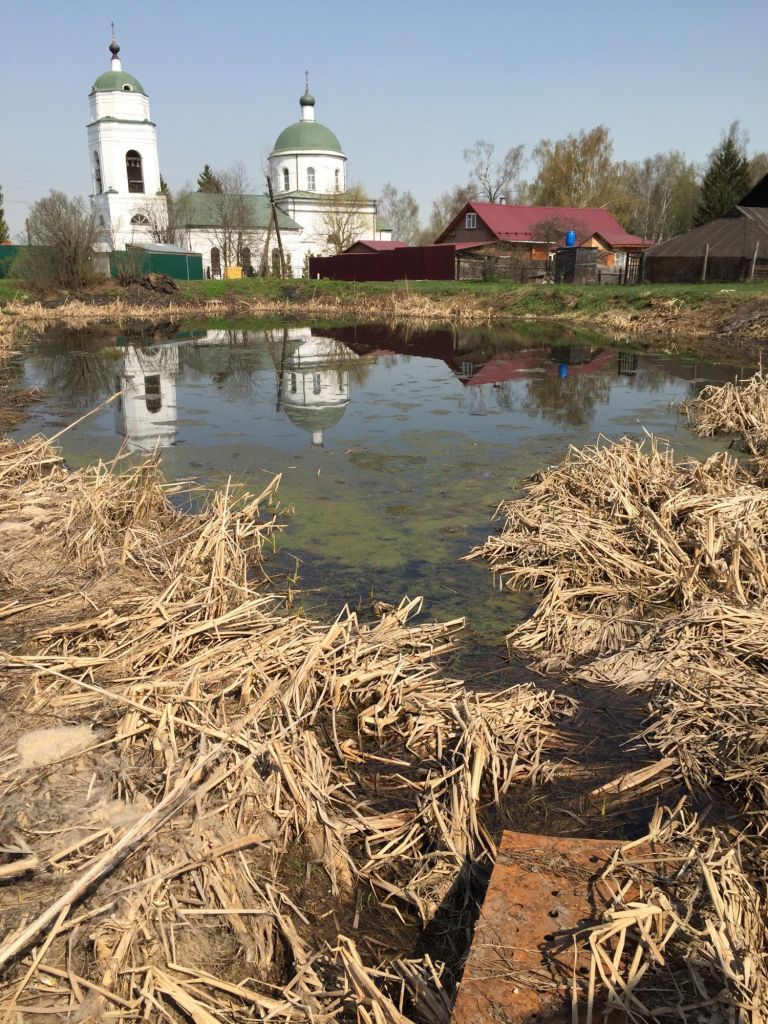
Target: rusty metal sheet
{"x": 521, "y": 958}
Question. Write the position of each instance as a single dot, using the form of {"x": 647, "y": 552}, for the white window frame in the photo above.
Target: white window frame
{"x": 470, "y": 221}
{"x": 310, "y": 179}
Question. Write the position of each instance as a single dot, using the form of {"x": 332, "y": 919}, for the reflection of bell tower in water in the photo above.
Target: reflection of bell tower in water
{"x": 145, "y": 414}
{"x": 314, "y": 386}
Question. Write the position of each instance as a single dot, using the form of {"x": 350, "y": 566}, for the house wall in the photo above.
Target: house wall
{"x": 463, "y": 234}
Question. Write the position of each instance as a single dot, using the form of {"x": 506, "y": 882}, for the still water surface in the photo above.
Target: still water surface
{"x": 394, "y": 447}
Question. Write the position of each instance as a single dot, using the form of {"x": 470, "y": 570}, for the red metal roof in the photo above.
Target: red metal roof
{"x": 519, "y": 223}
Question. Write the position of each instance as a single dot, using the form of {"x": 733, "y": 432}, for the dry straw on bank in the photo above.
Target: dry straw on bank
{"x": 269, "y": 810}
{"x": 684, "y": 936}
{"x": 618, "y": 537}
{"x": 738, "y": 409}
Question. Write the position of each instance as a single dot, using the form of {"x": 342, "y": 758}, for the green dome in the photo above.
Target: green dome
{"x": 306, "y": 135}
{"x": 311, "y": 418}
{"x": 115, "y": 81}
{"x": 307, "y": 100}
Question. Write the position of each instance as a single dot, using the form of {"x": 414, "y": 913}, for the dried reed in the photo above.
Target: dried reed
{"x": 260, "y": 789}
{"x": 620, "y": 535}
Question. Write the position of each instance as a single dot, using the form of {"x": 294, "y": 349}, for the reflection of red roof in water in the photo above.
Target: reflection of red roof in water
{"x": 502, "y": 367}
{"x": 506, "y": 367}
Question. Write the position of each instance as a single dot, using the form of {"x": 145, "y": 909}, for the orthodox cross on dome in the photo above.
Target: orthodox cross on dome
{"x": 114, "y": 49}
{"x": 306, "y": 80}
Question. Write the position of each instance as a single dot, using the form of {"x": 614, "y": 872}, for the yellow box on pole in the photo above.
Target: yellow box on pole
{"x": 233, "y": 273}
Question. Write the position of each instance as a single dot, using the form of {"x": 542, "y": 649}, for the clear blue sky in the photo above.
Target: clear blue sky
{"x": 405, "y": 85}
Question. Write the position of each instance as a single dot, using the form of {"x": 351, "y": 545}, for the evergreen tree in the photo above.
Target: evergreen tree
{"x": 208, "y": 181}
{"x": 727, "y": 178}
{"x": 164, "y": 190}
{"x": 5, "y": 234}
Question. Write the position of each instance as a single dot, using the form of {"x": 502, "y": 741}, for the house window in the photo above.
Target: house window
{"x": 215, "y": 262}
{"x": 135, "y": 172}
{"x": 310, "y": 179}
{"x": 286, "y": 180}
{"x": 470, "y": 221}
{"x": 97, "y": 171}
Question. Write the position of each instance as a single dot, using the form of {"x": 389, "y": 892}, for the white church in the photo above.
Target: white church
{"x": 311, "y": 210}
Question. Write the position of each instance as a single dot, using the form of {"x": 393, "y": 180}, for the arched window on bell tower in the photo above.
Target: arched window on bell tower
{"x": 135, "y": 172}
{"x": 97, "y": 171}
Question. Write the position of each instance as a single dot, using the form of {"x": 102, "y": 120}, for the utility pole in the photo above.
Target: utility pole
{"x": 277, "y": 226}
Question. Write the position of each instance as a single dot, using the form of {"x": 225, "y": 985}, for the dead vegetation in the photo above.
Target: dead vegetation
{"x": 211, "y": 808}
{"x": 684, "y": 935}
{"x": 738, "y": 409}
{"x": 652, "y": 578}
{"x": 620, "y": 536}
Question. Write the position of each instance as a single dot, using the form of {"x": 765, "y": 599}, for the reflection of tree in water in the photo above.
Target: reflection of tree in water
{"x": 569, "y": 400}
{"x": 84, "y": 372}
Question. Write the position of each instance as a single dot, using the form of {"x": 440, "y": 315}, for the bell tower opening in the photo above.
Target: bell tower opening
{"x": 135, "y": 171}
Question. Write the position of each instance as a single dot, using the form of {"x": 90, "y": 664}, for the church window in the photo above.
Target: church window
{"x": 336, "y": 179}
{"x": 139, "y": 218}
{"x": 101, "y": 220}
{"x": 293, "y": 384}
{"x": 245, "y": 259}
{"x": 97, "y": 171}
{"x": 316, "y": 383}
{"x": 135, "y": 172}
{"x": 126, "y": 88}
{"x": 470, "y": 221}
{"x": 286, "y": 180}
{"x": 152, "y": 398}
{"x": 310, "y": 179}
{"x": 215, "y": 262}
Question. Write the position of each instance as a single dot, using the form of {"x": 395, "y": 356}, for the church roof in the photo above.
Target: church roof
{"x": 315, "y": 417}
{"x": 115, "y": 81}
{"x": 306, "y": 135}
{"x": 204, "y": 210}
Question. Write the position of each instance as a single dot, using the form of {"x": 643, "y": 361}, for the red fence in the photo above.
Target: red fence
{"x": 418, "y": 263}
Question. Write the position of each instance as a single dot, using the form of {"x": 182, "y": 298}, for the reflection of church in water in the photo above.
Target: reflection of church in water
{"x": 313, "y": 381}
{"x": 145, "y": 413}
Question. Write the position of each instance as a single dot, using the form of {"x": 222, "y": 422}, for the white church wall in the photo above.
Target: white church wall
{"x": 130, "y": 106}
{"x": 325, "y": 166}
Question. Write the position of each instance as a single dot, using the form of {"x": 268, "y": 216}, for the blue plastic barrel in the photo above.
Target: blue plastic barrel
{"x": 570, "y": 238}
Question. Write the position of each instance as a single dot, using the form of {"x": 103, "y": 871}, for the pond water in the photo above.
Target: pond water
{"x": 394, "y": 446}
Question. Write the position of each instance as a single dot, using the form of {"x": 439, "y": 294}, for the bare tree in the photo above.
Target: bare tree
{"x": 234, "y": 225}
{"x": 579, "y": 170}
{"x": 60, "y": 237}
{"x": 168, "y": 221}
{"x": 445, "y": 208}
{"x": 493, "y": 180}
{"x": 402, "y": 212}
{"x": 343, "y": 220}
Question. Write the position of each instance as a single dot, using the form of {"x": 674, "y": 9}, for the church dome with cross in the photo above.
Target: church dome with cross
{"x": 307, "y": 156}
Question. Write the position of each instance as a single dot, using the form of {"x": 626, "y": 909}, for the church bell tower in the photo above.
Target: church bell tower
{"x": 122, "y": 142}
